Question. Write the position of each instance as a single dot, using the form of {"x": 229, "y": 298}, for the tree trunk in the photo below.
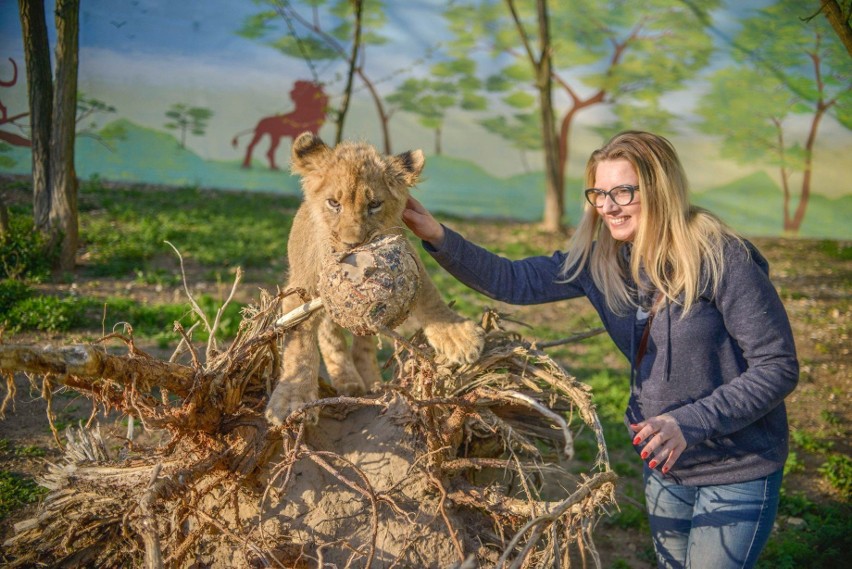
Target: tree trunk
{"x": 554, "y": 199}
{"x": 40, "y": 93}
{"x": 839, "y": 21}
{"x": 358, "y": 7}
{"x": 384, "y": 119}
{"x": 795, "y": 224}
{"x": 63, "y": 210}
{"x": 541, "y": 62}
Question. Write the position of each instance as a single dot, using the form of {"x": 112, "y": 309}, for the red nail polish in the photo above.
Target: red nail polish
{"x": 637, "y": 440}
{"x": 644, "y": 454}
{"x": 652, "y": 464}
{"x": 665, "y": 470}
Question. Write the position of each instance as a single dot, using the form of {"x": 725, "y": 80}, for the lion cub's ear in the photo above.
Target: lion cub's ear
{"x": 308, "y": 153}
{"x": 405, "y": 168}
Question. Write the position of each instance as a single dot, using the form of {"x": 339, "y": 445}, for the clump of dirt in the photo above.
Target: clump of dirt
{"x": 371, "y": 287}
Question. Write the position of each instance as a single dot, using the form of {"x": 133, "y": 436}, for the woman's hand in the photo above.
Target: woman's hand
{"x": 422, "y": 224}
{"x": 665, "y": 441}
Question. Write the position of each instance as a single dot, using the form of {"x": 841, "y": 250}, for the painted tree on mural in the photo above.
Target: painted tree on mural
{"x": 184, "y": 118}
{"x": 603, "y": 53}
{"x": 795, "y": 71}
{"x": 451, "y": 85}
{"x": 327, "y": 30}
{"x": 53, "y": 110}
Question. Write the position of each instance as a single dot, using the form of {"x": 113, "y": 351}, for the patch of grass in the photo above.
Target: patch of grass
{"x": 840, "y": 250}
{"x": 29, "y": 451}
{"x": 45, "y": 313}
{"x": 628, "y": 517}
{"x": 17, "y": 491}
{"x": 12, "y": 292}
{"x": 128, "y": 230}
{"x": 631, "y": 513}
{"x": 24, "y": 252}
{"x": 793, "y": 464}
{"x": 808, "y": 442}
{"x": 54, "y": 314}
{"x": 155, "y": 320}
{"x": 832, "y": 419}
{"x": 823, "y": 540}
{"x": 838, "y": 471}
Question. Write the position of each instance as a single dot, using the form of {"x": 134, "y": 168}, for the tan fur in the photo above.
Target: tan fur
{"x": 351, "y": 195}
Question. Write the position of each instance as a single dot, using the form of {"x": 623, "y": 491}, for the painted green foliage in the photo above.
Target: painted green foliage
{"x": 452, "y": 84}
{"x": 786, "y": 69}
{"x": 184, "y": 118}
{"x": 330, "y": 21}
{"x": 620, "y": 53}
{"x": 323, "y": 30}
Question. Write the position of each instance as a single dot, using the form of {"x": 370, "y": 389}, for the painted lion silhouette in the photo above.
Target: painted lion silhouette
{"x": 308, "y": 116}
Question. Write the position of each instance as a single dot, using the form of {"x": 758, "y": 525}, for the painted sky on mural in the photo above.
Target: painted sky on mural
{"x": 143, "y": 55}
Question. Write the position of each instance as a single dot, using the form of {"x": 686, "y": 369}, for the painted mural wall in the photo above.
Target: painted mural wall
{"x": 757, "y": 98}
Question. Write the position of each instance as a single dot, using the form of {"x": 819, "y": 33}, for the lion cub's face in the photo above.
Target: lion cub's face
{"x": 353, "y": 193}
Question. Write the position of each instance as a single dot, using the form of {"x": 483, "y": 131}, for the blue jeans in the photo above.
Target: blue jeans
{"x": 713, "y": 527}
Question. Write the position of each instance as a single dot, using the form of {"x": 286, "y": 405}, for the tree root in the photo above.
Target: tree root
{"x": 440, "y": 467}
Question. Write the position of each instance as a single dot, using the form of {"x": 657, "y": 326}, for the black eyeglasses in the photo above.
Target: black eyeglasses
{"x": 620, "y": 195}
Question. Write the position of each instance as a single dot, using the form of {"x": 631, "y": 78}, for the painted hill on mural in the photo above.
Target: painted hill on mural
{"x": 135, "y": 154}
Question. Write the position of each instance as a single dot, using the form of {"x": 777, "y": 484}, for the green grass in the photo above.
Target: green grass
{"x": 17, "y": 491}
{"x": 24, "y": 253}
{"x": 125, "y": 232}
{"x": 822, "y": 539}
{"x": 54, "y": 314}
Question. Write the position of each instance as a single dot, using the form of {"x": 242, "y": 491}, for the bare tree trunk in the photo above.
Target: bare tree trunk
{"x": 785, "y": 175}
{"x": 353, "y": 65}
{"x": 63, "y": 211}
{"x": 40, "y": 93}
{"x": 839, "y": 20}
{"x": 795, "y": 224}
{"x": 554, "y": 198}
{"x": 384, "y": 118}
{"x": 822, "y": 106}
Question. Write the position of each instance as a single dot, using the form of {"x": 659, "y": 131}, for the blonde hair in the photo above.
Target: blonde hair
{"x": 677, "y": 246}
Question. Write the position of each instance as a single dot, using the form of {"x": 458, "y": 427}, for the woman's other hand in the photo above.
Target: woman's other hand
{"x": 422, "y": 224}
{"x": 665, "y": 441}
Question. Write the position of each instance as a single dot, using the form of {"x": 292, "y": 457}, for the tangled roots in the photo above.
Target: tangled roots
{"x": 469, "y": 466}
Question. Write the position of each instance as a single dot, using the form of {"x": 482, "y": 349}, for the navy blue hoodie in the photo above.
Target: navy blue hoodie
{"x": 722, "y": 371}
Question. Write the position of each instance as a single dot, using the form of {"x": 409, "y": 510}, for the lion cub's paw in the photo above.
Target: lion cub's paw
{"x": 458, "y": 342}
{"x": 351, "y": 388}
{"x": 289, "y": 397}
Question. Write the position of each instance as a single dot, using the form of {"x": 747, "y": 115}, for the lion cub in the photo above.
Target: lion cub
{"x": 351, "y": 195}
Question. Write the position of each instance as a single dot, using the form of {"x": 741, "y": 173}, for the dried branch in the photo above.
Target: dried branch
{"x": 93, "y": 364}
{"x": 211, "y": 341}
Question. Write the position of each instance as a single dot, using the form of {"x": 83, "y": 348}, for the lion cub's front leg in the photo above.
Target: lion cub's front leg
{"x": 298, "y": 382}
{"x": 457, "y": 339}
{"x": 347, "y": 371}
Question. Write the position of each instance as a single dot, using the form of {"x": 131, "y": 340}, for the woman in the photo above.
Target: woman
{"x": 709, "y": 343}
